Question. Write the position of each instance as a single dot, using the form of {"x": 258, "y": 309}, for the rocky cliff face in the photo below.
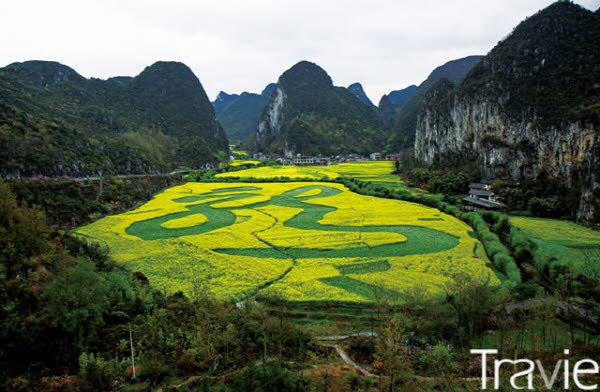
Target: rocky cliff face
{"x": 272, "y": 121}
{"x": 506, "y": 148}
{"x": 528, "y": 110}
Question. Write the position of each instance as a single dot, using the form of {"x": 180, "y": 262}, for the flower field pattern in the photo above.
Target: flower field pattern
{"x": 303, "y": 241}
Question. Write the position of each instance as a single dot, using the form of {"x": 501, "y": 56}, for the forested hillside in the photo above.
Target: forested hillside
{"x": 239, "y": 114}
{"x": 405, "y": 118}
{"x": 307, "y": 114}
{"x": 55, "y": 122}
{"x": 390, "y": 103}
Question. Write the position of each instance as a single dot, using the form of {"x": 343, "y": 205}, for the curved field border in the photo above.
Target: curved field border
{"x": 504, "y": 264}
{"x": 420, "y": 240}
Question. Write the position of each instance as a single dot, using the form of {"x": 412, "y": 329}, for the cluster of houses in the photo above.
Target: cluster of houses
{"x": 304, "y": 160}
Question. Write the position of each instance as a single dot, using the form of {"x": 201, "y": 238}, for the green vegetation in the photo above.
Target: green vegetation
{"x": 392, "y": 102}
{"x": 73, "y": 203}
{"x": 54, "y": 122}
{"x": 84, "y": 303}
{"x": 261, "y": 277}
{"x": 502, "y": 261}
{"x": 562, "y": 247}
{"x": 405, "y": 118}
{"x": 532, "y": 97}
{"x": 558, "y": 88}
{"x": 318, "y": 118}
{"x": 239, "y": 117}
{"x": 66, "y": 308}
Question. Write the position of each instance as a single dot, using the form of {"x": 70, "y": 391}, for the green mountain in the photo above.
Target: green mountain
{"x": 405, "y": 120}
{"x": 390, "y": 103}
{"x": 359, "y": 92}
{"x": 223, "y": 100}
{"x": 55, "y": 122}
{"x": 529, "y": 110}
{"x": 400, "y": 97}
{"x": 307, "y": 114}
{"x": 239, "y": 114}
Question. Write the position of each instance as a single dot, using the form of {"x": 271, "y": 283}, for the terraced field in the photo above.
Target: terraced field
{"x": 303, "y": 241}
{"x": 377, "y": 171}
{"x": 562, "y": 242}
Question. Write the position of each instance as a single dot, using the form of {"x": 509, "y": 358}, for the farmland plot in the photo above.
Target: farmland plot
{"x": 301, "y": 241}
{"x": 564, "y": 243}
{"x": 376, "y": 171}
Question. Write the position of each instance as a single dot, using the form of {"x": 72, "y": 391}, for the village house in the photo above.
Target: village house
{"x": 301, "y": 160}
{"x": 481, "y": 196}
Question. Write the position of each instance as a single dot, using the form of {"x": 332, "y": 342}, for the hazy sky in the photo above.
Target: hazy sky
{"x": 241, "y": 45}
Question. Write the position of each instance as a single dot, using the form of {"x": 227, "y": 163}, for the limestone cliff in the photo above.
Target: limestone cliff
{"x": 529, "y": 109}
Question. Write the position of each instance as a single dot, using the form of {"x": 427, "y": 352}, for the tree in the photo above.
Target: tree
{"x": 23, "y": 235}
{"x": 391, "y": 354}
{"x": 472, "y": 301}
{"x": 76, "y": 302}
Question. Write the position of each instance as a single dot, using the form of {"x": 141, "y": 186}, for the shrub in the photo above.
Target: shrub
{"x": 100, "y": 372}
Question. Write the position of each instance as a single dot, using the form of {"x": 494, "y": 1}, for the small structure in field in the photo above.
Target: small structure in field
{"x": 481, "y": 196}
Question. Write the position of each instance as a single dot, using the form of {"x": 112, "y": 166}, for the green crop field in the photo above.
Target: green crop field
{"x": 301, "y": 241}
{"x": 565, "y": 243}
{"x": 376, "y": 171}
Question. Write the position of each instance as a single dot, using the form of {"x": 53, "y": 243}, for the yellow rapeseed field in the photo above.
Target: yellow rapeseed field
{"x": 240, "y": 162}
{"x": 303, "y": 241}
{"x": 378, "y": 171}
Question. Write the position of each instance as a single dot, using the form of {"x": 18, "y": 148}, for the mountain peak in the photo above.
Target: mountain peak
{"x": 223, "y": 96}
{"x": 44, "y": 72}
{"x": 307, "y": 114}
{"x": 168, "y": 70}
{"x": 305, "y": 75}
{"x": 453, "y": 70}
{"x": 268, "y": 90}
{"x": 357, "y": 89}
{"x": 165, "y": 79}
